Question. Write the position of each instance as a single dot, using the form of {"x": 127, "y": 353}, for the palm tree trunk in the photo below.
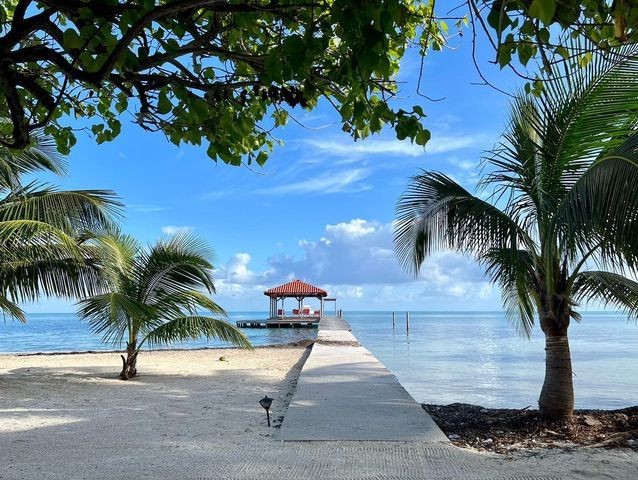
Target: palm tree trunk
{"x": 557, "y": 396}
{"x": 128, "y": 364}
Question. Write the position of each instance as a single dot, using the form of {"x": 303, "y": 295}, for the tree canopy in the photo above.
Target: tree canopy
{"x": 226, "y": 73}
{"x": 205, "y": 71}
{"x": 521, "y": 30}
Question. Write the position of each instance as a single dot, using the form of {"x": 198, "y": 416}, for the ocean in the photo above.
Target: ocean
{"x": 446, "y": 357}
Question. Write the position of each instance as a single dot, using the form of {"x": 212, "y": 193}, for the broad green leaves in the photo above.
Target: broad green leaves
{"x": 211, "y": 73}
{"x": 543, "y": 10}
{"x": 542, "y": 29}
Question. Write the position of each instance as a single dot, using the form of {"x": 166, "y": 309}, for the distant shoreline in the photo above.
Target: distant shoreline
{"x": 303, "y": 344}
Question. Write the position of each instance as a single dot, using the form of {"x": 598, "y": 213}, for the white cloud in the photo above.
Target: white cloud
{"x": 172, "y": 229}
{"x": 348, "y": 180}
{"x": 438, "y": 144}
{"x": 355, "y": 262}
{"x": 237, "y": 271}
{"x": 146, "y": 208}
{"x": 465, "y": 165}
{"x": 370, "y": 147}
{"x": 354, "y": 228}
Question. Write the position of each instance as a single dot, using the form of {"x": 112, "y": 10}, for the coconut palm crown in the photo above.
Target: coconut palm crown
{"x": 41, "y": 229}
{"x": 155, "y": 296}
{"x": 561, "y": 224}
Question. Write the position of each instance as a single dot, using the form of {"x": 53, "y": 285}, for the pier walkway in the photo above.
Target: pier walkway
{"x": 345, "y": 393}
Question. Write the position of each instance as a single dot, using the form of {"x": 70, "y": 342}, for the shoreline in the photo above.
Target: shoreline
{"x": 201, "y": 416}
{"x": 301, "y": 344}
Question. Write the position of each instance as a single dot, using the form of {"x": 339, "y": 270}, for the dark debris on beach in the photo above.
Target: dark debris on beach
{"x": 502, "y": 430}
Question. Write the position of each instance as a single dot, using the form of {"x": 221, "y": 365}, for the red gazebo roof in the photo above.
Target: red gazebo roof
{"x": 296, "y": 288}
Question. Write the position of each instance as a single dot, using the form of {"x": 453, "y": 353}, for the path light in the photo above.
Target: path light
{"x": 266, "y": 402}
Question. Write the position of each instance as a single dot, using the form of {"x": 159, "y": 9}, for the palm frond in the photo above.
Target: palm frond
{"x": 553, "y": 138}
{"x": 7, "y": 307}
{"x": 588, "y": 111}
{"x": 514, "y": 271}
{"x": 28, "y": 280}
{"x": 601, "y": 210}
{"x": 41, "y": 155}
{"x": 72, "y": 211}
{"x": 112, "y": 315}
{"x": 609, "y": 289}
{"x": 514, "y": 163}
{"x": 175, "y": 265}
{"x": 20, "y": 234}
{"x": 192, "y": 327}
{"x": 436, "y": 213}
{"x": 117, "y": 254}
{"x": 191, "y": 301}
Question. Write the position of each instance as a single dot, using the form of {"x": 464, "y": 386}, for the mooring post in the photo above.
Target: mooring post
{"x": 407, "y": 321}
{"x": 392, "y": 320}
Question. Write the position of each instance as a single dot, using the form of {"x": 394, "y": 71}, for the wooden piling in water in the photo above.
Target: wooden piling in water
{"x": 407, "y": 321}
{"x": 393, "y": 323}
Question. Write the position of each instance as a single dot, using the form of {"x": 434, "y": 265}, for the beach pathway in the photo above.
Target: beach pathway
{"x": 345, "y": 393}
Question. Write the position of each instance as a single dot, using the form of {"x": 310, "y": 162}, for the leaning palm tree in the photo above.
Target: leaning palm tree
{"x": 41, "y": 230}
{"x": 155, "y": 296}
{"x": 561, "y": 224}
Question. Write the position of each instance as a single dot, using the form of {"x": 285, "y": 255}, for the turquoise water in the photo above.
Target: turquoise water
{"x": 64, "y": 332}
{"x": 472, "y": 357}
{"x": 478, "y": 357}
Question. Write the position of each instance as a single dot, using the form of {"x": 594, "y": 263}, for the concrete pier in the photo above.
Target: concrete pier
{"x": 345, "y": 393}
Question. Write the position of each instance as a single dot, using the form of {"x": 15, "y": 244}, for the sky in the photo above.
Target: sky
{"x": 321, "y": 209}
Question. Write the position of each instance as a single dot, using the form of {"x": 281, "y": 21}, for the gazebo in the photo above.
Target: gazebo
{"x": 298, "y": 290}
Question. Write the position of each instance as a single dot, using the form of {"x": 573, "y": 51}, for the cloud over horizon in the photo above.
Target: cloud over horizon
{"x": 355, "y": 261}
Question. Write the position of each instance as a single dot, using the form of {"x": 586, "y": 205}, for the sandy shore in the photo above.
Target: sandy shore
{"x": 190, "y": 415}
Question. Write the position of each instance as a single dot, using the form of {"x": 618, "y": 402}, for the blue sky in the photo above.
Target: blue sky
{"x": 321, "y": 208}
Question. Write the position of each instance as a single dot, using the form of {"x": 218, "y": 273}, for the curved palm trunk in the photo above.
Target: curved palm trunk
{"x": 129, "y": 363}
{"x": 557, "y": 396}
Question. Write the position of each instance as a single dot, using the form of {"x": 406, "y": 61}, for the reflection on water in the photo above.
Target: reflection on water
{"x": 478, "y": 358}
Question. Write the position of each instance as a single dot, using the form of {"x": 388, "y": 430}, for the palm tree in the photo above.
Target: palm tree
{"x": 155, "y": 296}
{"x": 560, "y": 225}
{"x": 41, "y": 230}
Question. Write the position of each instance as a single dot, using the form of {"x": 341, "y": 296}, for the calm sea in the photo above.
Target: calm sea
{"x": 471, "y": 357}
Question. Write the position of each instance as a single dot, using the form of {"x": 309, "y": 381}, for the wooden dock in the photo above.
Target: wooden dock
{"x": 285, "y": 322}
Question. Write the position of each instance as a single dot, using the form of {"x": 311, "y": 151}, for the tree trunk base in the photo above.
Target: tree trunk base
{"x": 556, "y": 401}
{"x": 129, "y": 369}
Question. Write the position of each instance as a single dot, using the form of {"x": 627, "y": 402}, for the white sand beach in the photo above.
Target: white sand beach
{"x": 190, "y": 415}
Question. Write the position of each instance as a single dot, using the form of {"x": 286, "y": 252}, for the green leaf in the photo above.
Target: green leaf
{"x": 543, "y": 10}
{"x": 525, "y": 52}
{"x": 164, "y": 105}
{"x": 294, "y": 48}
{"x": 261, "y": 159}
{"x": 422, "y": 137}
{"x": 504, "y": 55}
{"x": 71, "y": 39}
